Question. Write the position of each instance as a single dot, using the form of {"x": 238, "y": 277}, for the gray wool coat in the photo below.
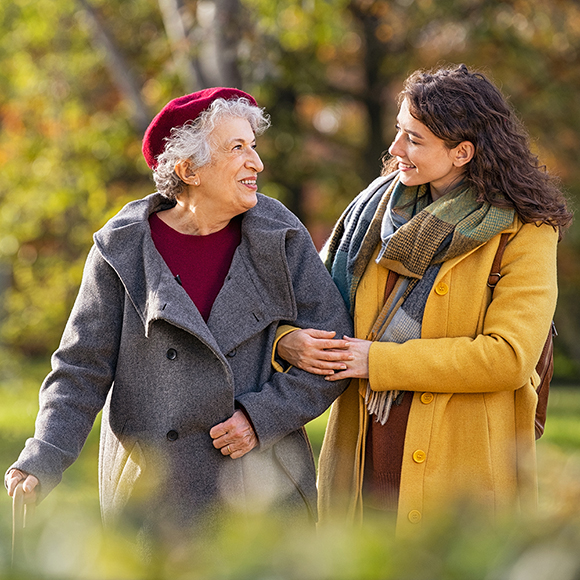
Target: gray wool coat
{"x": 136, "y": 347}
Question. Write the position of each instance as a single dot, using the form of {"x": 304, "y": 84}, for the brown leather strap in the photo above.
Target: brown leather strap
{"x": 495, "y": 273}
{"x": 545, "y": 366}
{"x": 545, "y": 370}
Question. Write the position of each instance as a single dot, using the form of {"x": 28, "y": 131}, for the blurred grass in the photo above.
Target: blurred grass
{"x": 563, "y": 419}
{"x": 315, "y": 430}
{"x": 66, "y": 541}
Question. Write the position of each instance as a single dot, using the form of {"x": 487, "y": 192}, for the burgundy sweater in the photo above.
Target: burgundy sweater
{"x": 199, "y": 263}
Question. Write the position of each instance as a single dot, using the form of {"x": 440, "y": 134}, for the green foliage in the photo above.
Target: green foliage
{"x": 64, "y": 539}
{"x": 328, "y": 72}
{"x": 260, "y": 550}
{"x": 64, "y": 163}
{"x": 562, "y": 425}
{"x": 81, "y": 78}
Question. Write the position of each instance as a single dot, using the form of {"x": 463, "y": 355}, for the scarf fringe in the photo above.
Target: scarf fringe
{"x": 379, "y": 403}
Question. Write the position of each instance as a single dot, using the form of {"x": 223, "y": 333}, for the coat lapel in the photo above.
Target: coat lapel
{"x": 170, "y": 302}
{"x": 126, "y": 244}
{"x": 257, "y": 289}
{"x": 256, "y": 292}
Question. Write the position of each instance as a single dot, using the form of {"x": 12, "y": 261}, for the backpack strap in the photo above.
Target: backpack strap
{"x": 545, "y": 366}
{"x": 495, "y": 273}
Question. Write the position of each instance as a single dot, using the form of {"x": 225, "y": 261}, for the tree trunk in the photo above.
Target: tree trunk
{"x": 186, "y": 63}
{"x": 119, "y": 69}
{"x": 374, "y": 85}
{"x": 228, "y": 27}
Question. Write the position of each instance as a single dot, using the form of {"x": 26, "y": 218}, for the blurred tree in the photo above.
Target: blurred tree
{"x": 68, "y": 152}
{"x": 80, "y": 80}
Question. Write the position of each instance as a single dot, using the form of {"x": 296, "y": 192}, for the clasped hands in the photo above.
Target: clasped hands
{"x": 318, "y": 352}
{"x": 315, "y": 351}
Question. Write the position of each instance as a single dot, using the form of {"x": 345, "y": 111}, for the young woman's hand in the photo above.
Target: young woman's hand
{"x": 358, "y": 366}
{"x": 315, "y": 351}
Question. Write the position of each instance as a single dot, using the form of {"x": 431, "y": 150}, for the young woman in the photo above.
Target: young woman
{"x": 441, "y": 405}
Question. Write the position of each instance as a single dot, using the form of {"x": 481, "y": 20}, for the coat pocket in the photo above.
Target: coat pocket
{"x": 128, "y": 466}
{"x": 294, "y": 453}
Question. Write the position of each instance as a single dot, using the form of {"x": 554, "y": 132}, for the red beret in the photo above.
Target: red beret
{"x": 177, "y": 112}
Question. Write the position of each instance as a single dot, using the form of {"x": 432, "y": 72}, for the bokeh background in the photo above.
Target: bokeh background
{"x": 79, "y": 82}
{"x": 81, "y": 79}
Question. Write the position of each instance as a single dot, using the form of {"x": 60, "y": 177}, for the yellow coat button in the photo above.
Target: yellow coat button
{"x": 441, "y": 288}
{"x": 414, "y": 516}
{"x": 419, "y": 456}
{"x": 427, "y": 398}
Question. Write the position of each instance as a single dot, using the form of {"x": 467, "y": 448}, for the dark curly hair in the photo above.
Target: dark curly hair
{"x": 458, "y": 105}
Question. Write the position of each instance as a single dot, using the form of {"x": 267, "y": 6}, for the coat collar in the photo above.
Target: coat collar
{"x": 255, "y": 292}
{"x": 449, "y": 264}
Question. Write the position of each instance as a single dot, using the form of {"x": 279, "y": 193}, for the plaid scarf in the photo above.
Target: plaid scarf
{"x": 416, "y": 236}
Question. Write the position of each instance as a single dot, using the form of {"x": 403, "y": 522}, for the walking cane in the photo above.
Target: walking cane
{"x": 19, "y": 513}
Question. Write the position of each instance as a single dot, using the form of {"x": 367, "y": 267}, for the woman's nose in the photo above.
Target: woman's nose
{"x": 254, "y": 162}
{"x": 395, "y": 148}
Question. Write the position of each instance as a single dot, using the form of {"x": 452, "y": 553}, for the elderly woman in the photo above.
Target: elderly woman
{"x": 172, "y": 333}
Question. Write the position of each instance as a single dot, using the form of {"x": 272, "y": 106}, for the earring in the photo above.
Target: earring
{"x": 196, "y": 182}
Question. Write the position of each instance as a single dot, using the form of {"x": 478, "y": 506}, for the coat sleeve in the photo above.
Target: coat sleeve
{"x": 503, "y": 354}
{"x": 82, "y": 373}
{"x": 291, "y": 399}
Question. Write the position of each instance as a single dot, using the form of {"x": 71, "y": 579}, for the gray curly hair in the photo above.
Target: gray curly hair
{"x": 192, "y": 141}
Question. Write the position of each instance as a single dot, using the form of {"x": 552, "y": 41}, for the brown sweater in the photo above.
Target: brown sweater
{"x": 384, "y": 457}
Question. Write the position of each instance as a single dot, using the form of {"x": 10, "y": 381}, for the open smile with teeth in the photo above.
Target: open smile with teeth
{"x": 249, "y": 181}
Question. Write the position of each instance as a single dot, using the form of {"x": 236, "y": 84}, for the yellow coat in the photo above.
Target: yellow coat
{"x": 470, "y": 432}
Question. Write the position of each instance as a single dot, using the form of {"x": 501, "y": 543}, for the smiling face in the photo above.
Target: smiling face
{"x": 229, "y": 181}
{"x": 424, "y": 158}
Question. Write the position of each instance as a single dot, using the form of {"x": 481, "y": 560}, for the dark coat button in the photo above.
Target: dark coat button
{"x": 172, "y": 435}
{"x": 171, "y": 354}
{"x": 232, "y": 353}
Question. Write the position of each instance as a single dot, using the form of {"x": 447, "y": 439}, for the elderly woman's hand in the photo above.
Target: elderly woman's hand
{"x": 234, "y": 437}
{"x": 314, "y": 351}
{"x": 14, "y": 477}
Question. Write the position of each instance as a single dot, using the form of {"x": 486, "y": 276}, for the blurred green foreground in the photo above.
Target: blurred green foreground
{"x": 64, "y": 539}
